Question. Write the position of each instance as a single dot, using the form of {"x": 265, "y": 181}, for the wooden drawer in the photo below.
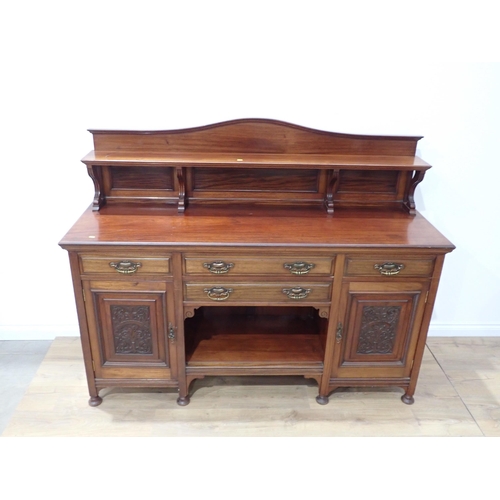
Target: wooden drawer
{"x": 388, "y": 266}
{"x": 263, "y": 293}
{"x": 298, "y": 265}
{"x": 124, "y": 265}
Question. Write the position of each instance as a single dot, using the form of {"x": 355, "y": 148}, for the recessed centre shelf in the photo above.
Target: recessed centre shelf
{"x": 256, "y": 336}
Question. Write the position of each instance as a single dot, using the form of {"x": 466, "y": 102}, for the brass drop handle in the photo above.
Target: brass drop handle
{"x": 126, "y": 266}
{"x": 299, "y": 267}
{"x": 297, "y": 293}
{"x": 218, "y": 292}
{"x": 389, "y": 268}
{"x": 218, "y": 267}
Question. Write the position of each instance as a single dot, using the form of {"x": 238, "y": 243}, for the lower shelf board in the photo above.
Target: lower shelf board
{"x": 258, "y": 349}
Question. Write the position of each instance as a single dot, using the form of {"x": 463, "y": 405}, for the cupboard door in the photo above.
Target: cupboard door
{"x": 129, "y": 326}
{"x": 378, "y": 329}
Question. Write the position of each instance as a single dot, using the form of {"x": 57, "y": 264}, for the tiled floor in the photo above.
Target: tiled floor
{"x": 458, "y": 395}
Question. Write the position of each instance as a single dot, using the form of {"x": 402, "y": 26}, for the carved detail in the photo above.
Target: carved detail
{"x": 95, "y": 173}
{"x": 189, "y": 311}
{"x": 332, "y": 187}
{"x": 378, "y": 329}
{"x": 132, "y": 329}
{"x": 181, "y": 206}
{"x": 409, "y": 203}
{"x": 324, "y": 312}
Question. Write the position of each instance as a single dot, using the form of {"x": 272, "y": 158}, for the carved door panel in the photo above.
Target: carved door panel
{"x": 378, "y": 329}
{"x": 131, "y": 329}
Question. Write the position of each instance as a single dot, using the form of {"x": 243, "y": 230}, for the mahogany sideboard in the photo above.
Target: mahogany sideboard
{"x": 253, "y": 247}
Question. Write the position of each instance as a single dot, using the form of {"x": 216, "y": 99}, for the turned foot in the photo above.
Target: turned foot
{"x": 407, "y": 399}
{"x": 322, "y": 400}
{"x": 95, "y": 401}
{"x": 183, "y": 401}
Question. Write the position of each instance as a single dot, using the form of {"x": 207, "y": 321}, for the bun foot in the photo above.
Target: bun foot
{"x": 183, "y": 401}
{"x": 322, "y": 400}
{"x": 407, "y": 400}
{"x": 95, "y": 401}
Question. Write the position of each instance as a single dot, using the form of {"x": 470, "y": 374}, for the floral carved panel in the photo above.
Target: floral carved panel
{"x": 378, "y": 329}
{"x": 132, "y": 329}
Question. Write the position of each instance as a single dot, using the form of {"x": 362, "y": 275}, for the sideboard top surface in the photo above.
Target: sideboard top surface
{"x": 256, "y": 228}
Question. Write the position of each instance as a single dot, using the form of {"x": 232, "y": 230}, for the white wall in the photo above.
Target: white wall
{"x": 71, "y": 66}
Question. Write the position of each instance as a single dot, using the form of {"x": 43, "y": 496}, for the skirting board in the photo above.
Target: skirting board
{"x": 464, "y": 330}
{"x": 37, "y": 332}
{"x": 47, "y": 332}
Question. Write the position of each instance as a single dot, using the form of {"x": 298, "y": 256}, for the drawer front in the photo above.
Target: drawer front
{"x": 389, "y": 266}
{"x": 293, "y": 293}
{"x": 124, "y": 265}
{"x": 247, "y": 266}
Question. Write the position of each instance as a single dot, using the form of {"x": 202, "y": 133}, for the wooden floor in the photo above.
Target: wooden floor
{"x": 458, "y": 395}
